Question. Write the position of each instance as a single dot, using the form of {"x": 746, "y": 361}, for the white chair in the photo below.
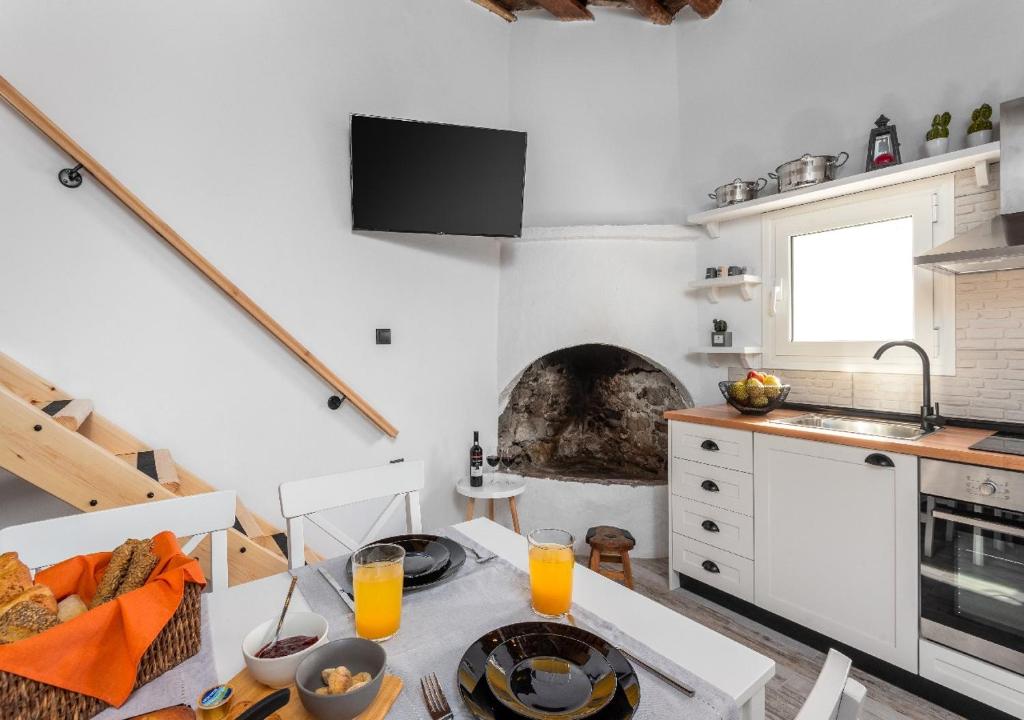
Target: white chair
{"x": 302, "y": 498}
{"x": 835, "y": 695}
{"x": 44, "y": 543}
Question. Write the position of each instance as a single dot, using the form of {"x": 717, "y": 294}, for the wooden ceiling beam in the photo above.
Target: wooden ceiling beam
{"x": 567, "y": 9}
{"x": 705, "y": 8}
{"x": 498, "y": 9}
{"x": 653, "y": 11}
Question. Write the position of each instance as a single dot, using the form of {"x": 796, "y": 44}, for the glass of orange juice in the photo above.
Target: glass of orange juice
{"x": 551, "y": 565}
{"x": 377, "y": 584}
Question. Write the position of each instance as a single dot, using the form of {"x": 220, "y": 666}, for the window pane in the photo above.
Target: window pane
{"x": 855, "y": 283}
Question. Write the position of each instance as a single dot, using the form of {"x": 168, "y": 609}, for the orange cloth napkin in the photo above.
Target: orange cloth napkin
{"x": 98, "y": 652}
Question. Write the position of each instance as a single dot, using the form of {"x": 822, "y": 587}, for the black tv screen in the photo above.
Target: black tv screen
{"x": 419, "y": 177}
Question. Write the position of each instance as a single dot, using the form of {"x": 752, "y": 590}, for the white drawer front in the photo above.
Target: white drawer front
{"x": 721, "y": 487}
{"x": 991, "y": 685}
{"x": 735, "y": 575}
{"x": 720, "y": 528}
{"x": 712, "y": 445}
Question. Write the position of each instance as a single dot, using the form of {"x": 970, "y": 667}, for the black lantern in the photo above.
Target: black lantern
{"x": 883, "y": 145}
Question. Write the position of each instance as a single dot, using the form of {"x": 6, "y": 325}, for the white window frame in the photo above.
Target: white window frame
{"x": 931, "y": 205}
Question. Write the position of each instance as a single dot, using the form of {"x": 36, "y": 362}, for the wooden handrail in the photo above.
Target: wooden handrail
{"x": 31, "y": 113}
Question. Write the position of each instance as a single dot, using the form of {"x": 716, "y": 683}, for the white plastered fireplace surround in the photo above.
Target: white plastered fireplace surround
{"x": 617, "y": 285}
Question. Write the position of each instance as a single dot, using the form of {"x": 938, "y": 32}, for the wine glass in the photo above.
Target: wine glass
{"x": 493, "y": 461}
{"x": 505, "y": 458}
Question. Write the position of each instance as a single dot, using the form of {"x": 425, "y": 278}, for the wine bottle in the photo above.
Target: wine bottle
{"x": 476, "y": 462}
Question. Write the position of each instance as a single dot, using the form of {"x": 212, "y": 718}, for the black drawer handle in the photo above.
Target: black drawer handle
{"x": 709, "y": 445}
{"x": 879, "y": 460}
{"x": 710, "y": 526}
{"x": 710, "y": 567}
{"x": 709, "y": 485}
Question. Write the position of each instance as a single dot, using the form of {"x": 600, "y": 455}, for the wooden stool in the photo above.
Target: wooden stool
{"x": 611, "y": 544}
{"x": 494, "y": 488}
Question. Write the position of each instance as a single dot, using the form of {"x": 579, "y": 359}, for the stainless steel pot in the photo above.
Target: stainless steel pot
{"x": 807, "y": 170}
{"x": 737, "y": 191}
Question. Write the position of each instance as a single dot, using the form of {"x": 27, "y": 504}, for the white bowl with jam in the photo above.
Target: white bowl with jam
{"x": 275, "y": 664}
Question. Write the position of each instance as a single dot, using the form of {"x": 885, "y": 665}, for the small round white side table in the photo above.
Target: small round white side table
{"x": 494, "y": 488}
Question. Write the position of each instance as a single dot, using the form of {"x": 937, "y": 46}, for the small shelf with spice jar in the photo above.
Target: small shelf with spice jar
{"x": 745, "y": 353}
{"x": 712, "y": 286}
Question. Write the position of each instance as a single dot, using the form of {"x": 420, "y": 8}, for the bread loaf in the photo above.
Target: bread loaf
{"x": 39, "y": 595}
{"x": 70, "y": 607}
{"x": 15, "y": 577}
{"x": 25, "y": 620}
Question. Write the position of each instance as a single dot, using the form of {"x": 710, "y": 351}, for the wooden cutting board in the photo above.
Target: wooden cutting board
{"x": 246, "y": 688}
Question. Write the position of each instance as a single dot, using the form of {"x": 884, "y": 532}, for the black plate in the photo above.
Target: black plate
{"x": 423, "y": 557}
{"x": 456, "y": 559}
{"x": 546, "y": 676}
{"x": 481, "y": 702}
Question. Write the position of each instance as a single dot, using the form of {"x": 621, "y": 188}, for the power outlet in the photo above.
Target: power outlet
{"x": 383, "y": 336}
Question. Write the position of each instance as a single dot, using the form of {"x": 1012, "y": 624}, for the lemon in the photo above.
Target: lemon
{"x": 738, "y": 391}
{"x": 771, "y": 380}
{"x": 755, "y": 389}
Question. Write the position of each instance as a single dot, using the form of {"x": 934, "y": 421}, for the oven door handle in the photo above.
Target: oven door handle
{"x": 978, "y": 523}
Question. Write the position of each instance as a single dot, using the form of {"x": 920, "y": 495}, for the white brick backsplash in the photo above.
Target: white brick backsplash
{"x": 989, "y": 380}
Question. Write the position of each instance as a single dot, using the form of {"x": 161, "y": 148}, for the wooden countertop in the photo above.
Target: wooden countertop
{"x": 949, "y": 443}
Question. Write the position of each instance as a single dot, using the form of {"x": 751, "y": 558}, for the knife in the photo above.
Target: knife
{"x": 680, "y": 686}
{"x": 338, "y": 589}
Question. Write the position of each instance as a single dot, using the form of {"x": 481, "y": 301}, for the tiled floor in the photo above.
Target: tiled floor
{"x": 797, "y": 665}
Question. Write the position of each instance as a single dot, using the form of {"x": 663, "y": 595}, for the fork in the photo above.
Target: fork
{"x": 480, "y": 558}
{"x": 433, "y": 696}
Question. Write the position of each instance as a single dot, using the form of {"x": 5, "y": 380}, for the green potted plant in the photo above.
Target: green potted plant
{"x": 936, "y": 140}
{"x": 979, "y": 131}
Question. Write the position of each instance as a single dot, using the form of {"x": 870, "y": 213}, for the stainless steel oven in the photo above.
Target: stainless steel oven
{"x": 972, "y": 561}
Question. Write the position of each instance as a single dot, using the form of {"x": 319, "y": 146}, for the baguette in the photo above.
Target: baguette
{"x": 120, "y": 559}
{"x": 139, "y": 567}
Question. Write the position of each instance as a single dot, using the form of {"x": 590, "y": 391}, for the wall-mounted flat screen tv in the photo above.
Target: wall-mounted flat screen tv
{"x": 420, "y": 177}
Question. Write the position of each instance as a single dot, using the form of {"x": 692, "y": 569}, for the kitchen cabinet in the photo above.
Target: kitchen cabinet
{"x": 835, "y": 542}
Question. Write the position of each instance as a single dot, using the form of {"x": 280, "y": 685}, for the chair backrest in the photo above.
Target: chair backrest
{"x": 835, "y": 695}
{"x": 44, "y": 543}
{"x": 303, "y": 498}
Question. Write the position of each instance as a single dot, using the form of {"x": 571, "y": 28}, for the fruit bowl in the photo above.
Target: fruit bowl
{"x": 775, "y": 395}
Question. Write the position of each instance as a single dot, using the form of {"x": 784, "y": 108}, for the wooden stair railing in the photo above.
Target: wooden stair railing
{"x": 101, "y": 466}
{"x": 35, "y": 116}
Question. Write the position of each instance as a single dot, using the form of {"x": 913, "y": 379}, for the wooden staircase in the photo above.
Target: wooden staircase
{"x": 60, "y": 445}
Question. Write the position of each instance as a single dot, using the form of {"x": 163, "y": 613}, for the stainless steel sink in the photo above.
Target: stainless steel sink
{"x": 858, "y": 426}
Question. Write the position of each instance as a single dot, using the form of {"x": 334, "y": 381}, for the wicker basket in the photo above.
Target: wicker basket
{"x": 24, "y": 699}
{"x": 773, "y": 403}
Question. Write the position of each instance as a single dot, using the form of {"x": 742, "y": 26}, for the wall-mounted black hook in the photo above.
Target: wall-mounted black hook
{"x": 71, "y": 177}
{"x": 334, "y": 401}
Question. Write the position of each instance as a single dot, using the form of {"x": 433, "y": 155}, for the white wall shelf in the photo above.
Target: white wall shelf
{"x": 744, "y": 352}
{"x": 977, "y": 157}
{"x": 746, "y": 284}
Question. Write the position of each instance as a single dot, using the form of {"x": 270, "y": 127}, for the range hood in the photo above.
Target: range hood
{"x": 999, "y": 244}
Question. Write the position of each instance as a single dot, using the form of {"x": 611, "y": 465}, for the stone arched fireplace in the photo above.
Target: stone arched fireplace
{"x": 591, "y": 413}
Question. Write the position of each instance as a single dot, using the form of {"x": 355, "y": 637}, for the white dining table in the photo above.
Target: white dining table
{"x": 734, "y": 668}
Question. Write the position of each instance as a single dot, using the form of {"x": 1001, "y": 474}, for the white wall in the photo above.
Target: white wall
{"x": 635, "y": 123}
{"x": 630, "y": 293}
{"x": 600, "y": 102}
{"x": 233, "y": 125}
{"x": 764, "y": 82}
